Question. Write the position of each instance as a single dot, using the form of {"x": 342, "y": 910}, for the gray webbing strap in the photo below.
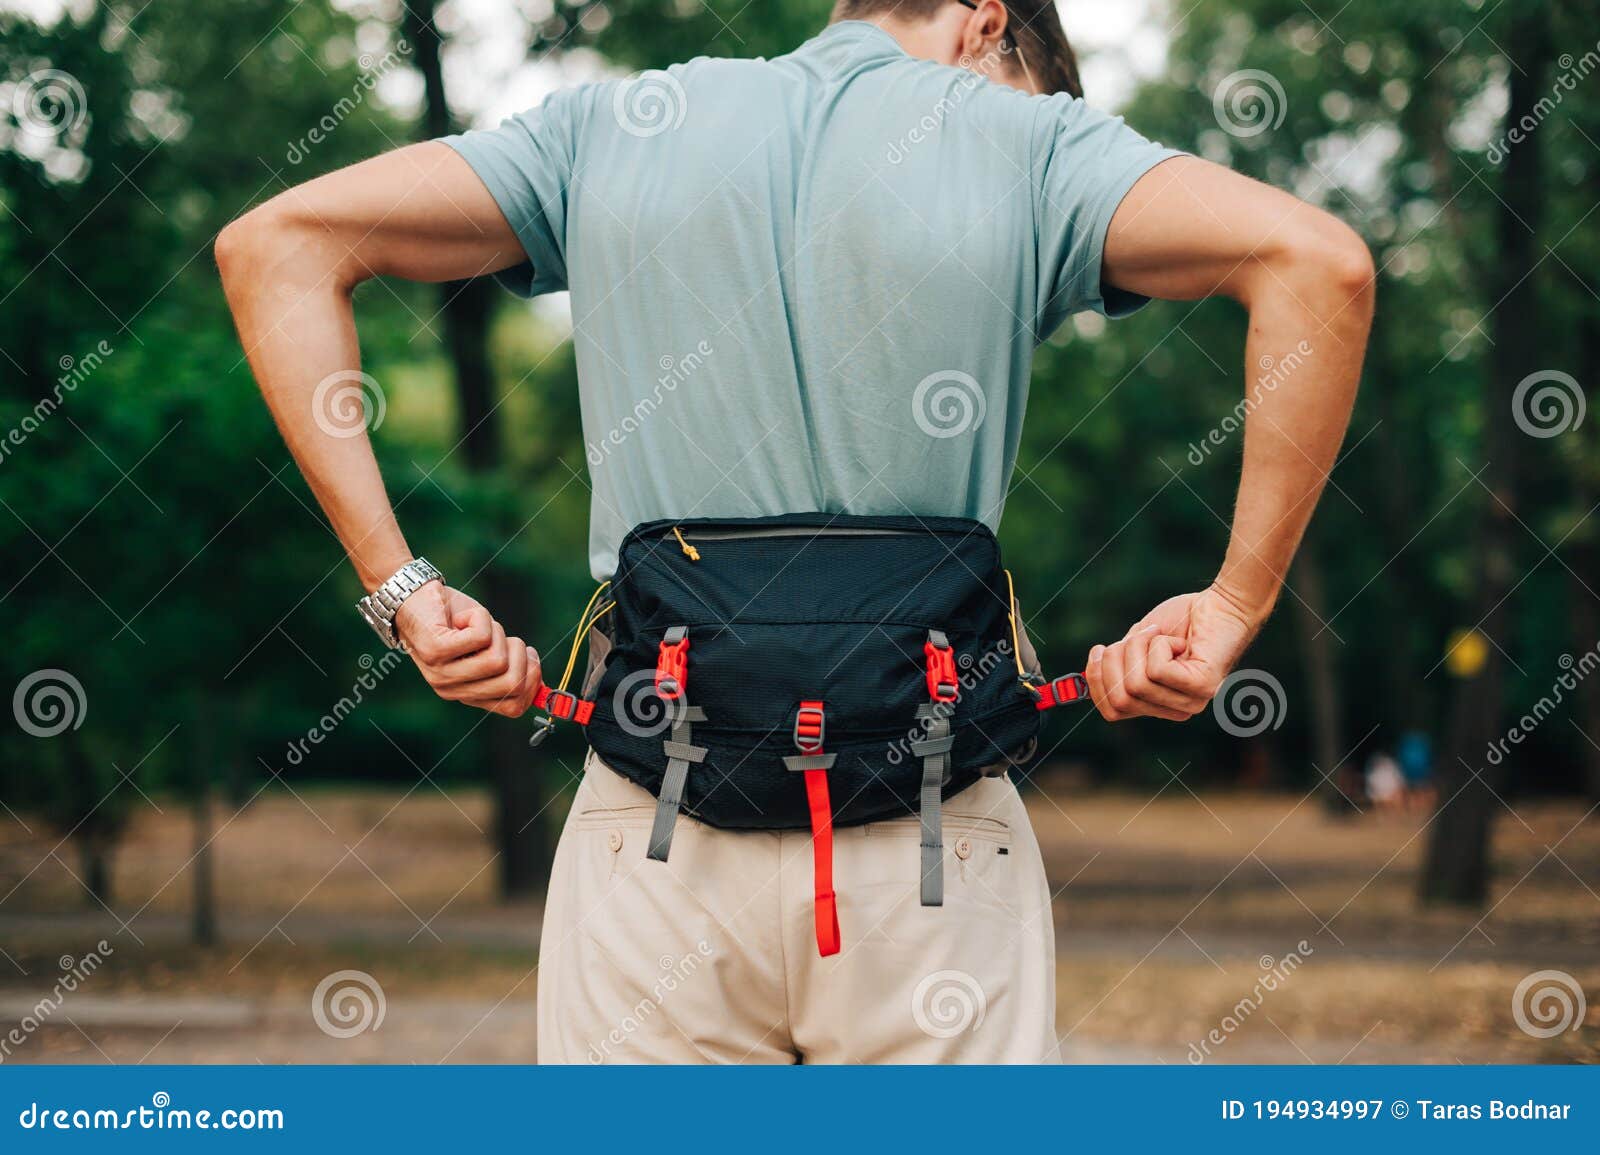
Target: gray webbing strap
{"x": 681, "y": 751}
{"x": 934, "y": 750}
{"x": 809, "y": 761}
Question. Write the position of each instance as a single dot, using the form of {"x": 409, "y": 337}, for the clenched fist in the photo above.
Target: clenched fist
{"x": 465, "y": 654}
{"x": 1173, "y": 659}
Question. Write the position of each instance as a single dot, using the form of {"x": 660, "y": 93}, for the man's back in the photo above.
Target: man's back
{"x": 814, "y": 283}
{"x": 811, "y": 283}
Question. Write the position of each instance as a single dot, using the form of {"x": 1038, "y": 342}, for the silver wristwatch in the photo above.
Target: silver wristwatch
{"x": 380, "y": 606}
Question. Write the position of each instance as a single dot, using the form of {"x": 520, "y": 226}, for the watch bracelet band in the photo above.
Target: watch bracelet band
{"x": 380, "y": 606}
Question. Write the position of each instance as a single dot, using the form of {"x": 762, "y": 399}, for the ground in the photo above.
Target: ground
{"x": 1253, "y": 919}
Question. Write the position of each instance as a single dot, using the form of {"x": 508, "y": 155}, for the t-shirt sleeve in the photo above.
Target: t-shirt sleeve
{"x": 527, "y": 165}
{"x": 1084, "y": 163}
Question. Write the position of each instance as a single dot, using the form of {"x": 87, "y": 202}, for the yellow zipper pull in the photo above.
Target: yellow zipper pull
{"x": 694, "y": 554}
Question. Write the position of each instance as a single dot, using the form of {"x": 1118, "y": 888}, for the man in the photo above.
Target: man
{"x": 783, "y": 274}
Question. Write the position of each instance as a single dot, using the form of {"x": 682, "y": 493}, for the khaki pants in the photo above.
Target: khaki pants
{"x": 711, "y": 957}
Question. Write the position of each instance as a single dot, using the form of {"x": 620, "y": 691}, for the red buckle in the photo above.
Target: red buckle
{"x": 561, "y": 703}
{"x": 557, "y": 704}
{"x": 1067, "y": 688}
{"x": 672, "y": 668}
{"x": 808, "y": 728}
{"x": 942, "y": 684}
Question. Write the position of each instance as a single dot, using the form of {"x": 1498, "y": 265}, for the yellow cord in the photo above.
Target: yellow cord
{"x": 694, "y": 554}
{"x": 1011, "y": 615}
{"x": 582, "y": 631}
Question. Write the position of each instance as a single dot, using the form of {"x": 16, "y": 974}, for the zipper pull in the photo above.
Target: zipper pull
{"x": 693, "y": 554}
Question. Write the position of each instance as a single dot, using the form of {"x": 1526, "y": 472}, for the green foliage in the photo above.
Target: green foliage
{"x": 161, "y": 548}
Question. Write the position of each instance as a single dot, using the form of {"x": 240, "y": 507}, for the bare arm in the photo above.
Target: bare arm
{"x": 1191, "y": 229}
{"x": 289, "y": 268}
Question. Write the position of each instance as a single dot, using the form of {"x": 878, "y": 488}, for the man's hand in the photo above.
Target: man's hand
{"x": 1190, "y": 229}
{"x": 465, "y": 654}
{"x": 1172, "y": 660}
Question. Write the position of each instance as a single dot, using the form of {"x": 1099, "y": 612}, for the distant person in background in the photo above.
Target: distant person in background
{"x": 1386, "y": 786}
{"x": 1416, "y": 764}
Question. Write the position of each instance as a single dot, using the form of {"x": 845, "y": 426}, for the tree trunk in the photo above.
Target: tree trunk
{"x": 1585, "y": 555}
{"x": 203, "y": 919}
{"x": 468, "y": 308}
{"x": 202, "y": 762}
{"x": 1322, "y": 677}
{"x": 202, "y": 925}
{"x": 1456, "y": 869}
{"x": 95, "y": 857}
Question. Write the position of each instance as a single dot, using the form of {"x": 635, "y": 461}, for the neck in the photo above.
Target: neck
{"x": 916, "y": 37}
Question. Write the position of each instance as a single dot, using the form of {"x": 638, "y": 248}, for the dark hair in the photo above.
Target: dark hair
{"x": 1033, "y": 29}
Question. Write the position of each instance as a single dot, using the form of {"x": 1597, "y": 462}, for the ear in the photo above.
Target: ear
{"x": 985, "y": 26}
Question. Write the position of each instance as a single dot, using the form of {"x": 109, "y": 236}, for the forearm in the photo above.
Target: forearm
{"x": 295, "y": 321}
{"x": 1308, "y": 334}
{"x": 289, "y": 269}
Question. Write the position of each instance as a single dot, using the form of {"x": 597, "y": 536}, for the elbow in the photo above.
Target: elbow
{"x": 230, "y": 248}
{"x": 1351, "y": 270}
{"x": 275, "y": 244}
{"x": 244, "y": 248}
{"x": 1320, "y": 262}
{"x": 1331, "y": 260}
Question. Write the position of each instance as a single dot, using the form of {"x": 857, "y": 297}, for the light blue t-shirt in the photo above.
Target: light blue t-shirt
{"x": 808, "y": 283}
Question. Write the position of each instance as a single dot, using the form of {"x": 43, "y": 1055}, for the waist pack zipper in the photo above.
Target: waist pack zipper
{"x": 689, "y": 551}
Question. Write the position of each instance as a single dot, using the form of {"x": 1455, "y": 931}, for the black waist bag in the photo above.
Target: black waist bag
{"x": 811, "y": 670}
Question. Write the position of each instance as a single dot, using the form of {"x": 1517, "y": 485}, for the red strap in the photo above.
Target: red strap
{"x": 808, "y": 730}
{"x": 827, "y": 906}
{"x": 1067, "y": 688}
{"x": 563, "y": 704}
